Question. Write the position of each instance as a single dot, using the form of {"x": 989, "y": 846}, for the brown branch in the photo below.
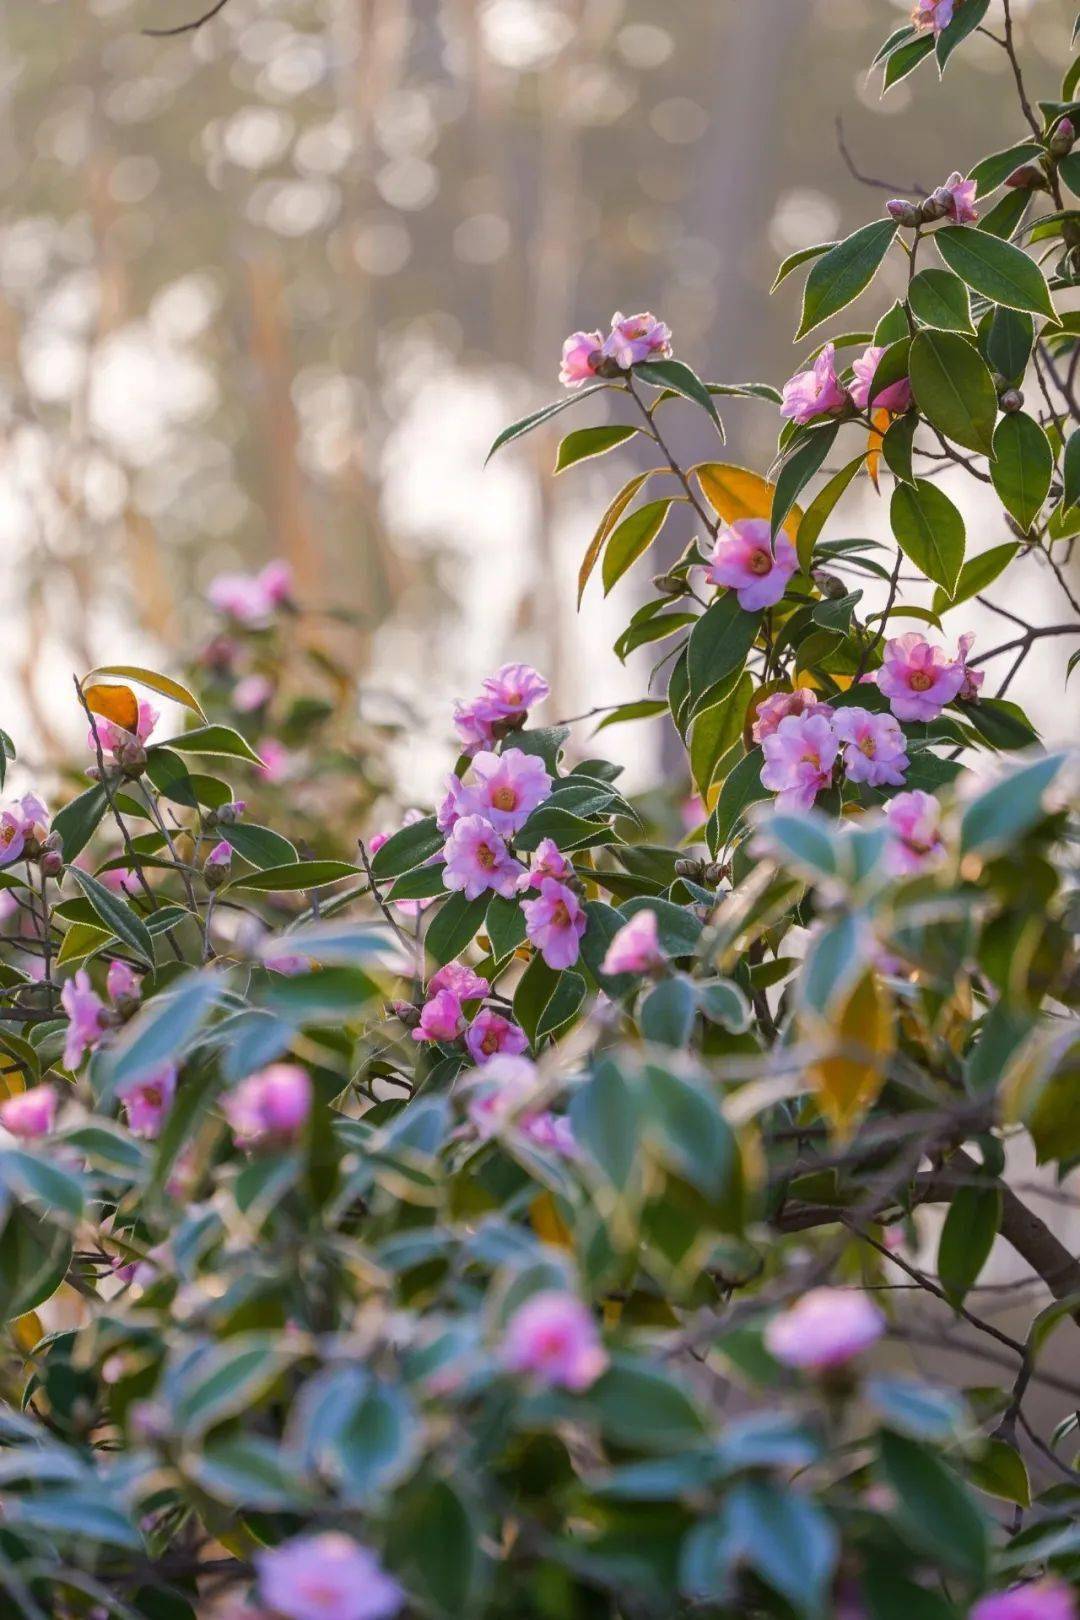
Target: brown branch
{"x": 188, "y": 27}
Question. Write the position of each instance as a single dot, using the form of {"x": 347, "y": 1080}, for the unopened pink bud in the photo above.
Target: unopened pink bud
{"x": 30, "y": 1114}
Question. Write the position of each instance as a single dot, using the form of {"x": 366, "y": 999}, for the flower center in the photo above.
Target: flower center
{"x": 759, "y": 562}
{"x": 7, "y": 834}
{"x": 921, "y": 681}
{"x": 152, "y": 1096}
{"x": 485, "y": 857}
{"x": 866, "y": 746}
{"x": 560, "y": 916}
{"x": 490, "y": 1042}
{"x": 504, "y": 798}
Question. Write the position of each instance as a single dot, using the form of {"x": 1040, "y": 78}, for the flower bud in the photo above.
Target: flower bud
{"x": 229, "y": 814}
{"x": 1063, "y": 138}
{"x": 52, "y": 862}
{"x": 406, "y": 1013}
{"x": 1011, "y": 400}
{"x": 217, "y": 866}
{"x": 671, "y": 584}
{"x": 716, "y": 873}
{"x": 1028, "y": 177}
{"x": 828, "y": 584}
{"x": 904, "y": 212}
{"x": 689, "y": 867}
{"x": 130, "y": 755}
{"x": 936, "y": 206}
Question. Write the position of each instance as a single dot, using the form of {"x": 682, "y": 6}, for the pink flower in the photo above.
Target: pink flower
{"x": 823, "y": 1329}
{"x": 30, "y": 1113}
{"x": 25, "y": 823}
{"x": 914, "y": 820}
{"x": 87, "y": 1017}
{"x": 326, "y": 1577}
{"x": 634, "y": 338}
{"x": 555, "y": 923}
{"x": 918, "y": 679}
{"x": 896, "y": 397}
{"x": 452, "y": 808}
{"x": 461, "y": 979}
{"x": 251, "y": 693}
{"x": 1037, "y": 1600}
{"x": 956, "y": 199}
{"x": 513, "y": 690}
{"x": 505, "y": 788}
{"x": 817, "y": 392}
{"x": 973, "y": 678}
{"x": 113, "y": 737}
{"x": 475, "y": 725}
{"x": 376, "y": 842}
{"x": 636, "y": 946}
{"x": 286, "y": 963}
{"x": 755, "y": 567}
{"x": 250, "y": 599}
{"x": 276, "y": 760}
{"x": 477, "y": 859}
{"x": 491, "y": 1035}
{"x": 775, "y": 708}
{"x": 553, "y": 1338}
{"x": 548, "y": 860}
{"x": 875, "y": 747}
{"x": 271, "y": 1105}
{"x": 147, "y": 1101}
{"x": 935, "y": 14}
{"x": 441, "y": 1018}
{"x": 581, "y": 354}
{"x": 122, "y": 980}
{"x": 12, "y": 837}
{"x": 799, "y": 757}
{"x": 506, "y": 1084}
{"x": 552, "y": 1133}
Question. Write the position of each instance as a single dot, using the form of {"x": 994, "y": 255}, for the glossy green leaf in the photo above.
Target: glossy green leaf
{"x": 997, "y": 269}
{"x": 119, "y": 917}
{"x": 953, "y": 388}
{"x": 938, "y": 298}
{"x": 818, "y": 512}
{"x": 967, "y": 1237}
{"x": 1022, "y": 467}
{"x": 585, "y": 443}
{"x": 934, "y": 1507}
{"x": 976, "y": 575}
{"x": 517, "y": 429}
{"x": 213, "y": 740}
{"x": 719, "y": 643}
{"x": 798, "y": 469}
{"x": 1071, "y": 472}
{"x": 929, "y": 530}
{"x": 681, "y": 379}
{"x": 295, "y": 875}
{"x": 840, "y": 275}
{"x": 633, "y": 537}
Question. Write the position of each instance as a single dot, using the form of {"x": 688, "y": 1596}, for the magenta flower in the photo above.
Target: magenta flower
{"x": 147, "y": 1101}
{"x": 505, "y": 1085}
{"x": 87, "y": 1017}
{"x": 122, "y": 981}
{"x": 817, "y": 392}
{"x": 896, "y": 397}
{"x": 874, "y": 751}
{"x": 475, "y": 725}
{"x": 634, "y": 338}
{"x": 956, "y": 198}
{"x": 775, "y": 708}
{"x": 452, "y": 808}
{"x": 12, "y": 837}
{"x": 477, "y": 859}
{"x": 462, "y": 980}
{"x": 513, "y": 690}
{"x": 581, "y": 354}
{"x": 24, "y": 828}
{"x": 376, "y": 842}
{"x": 552, "y": 1133}
{"x": 491, "y": 1035}
{"x": 555, "y": 923}
{"x": 441, "y": 1018}
{"x": 251, "y": 599}
{"x": 326, "y": 1577}
{"x": 918, "y": 679}
{"x": 799, "y": 757}
{"x": 548, "y": 860}
{"x": 915, "y": 822}
{"x": 636, "y": 946}
{"x": 1037, "y": 1600}
{"x": 824, "y": 1329}
{"x": 276, "y": 760}
{"x": 29, "y": 1114}
{"x": 251, "y": 693}
{"x": 752, "y": 564}
{"x": 505, "y": 788}
{"x": 554, "y": 1339}
{"x": 113, "y": 737}
{"x": 271, "y": 1105}
{"x": 973, "y": 678}
{"x": 935, "y": 14}
{"x": 287, "y": 963}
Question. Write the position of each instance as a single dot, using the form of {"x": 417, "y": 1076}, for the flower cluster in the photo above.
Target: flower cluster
{"x": 251, "y": 600}
{"x": 632, "y": 339}
{"x": 820, "y": 391}
{"x": 502, "y": 706}
{"x": 24, "y": 830}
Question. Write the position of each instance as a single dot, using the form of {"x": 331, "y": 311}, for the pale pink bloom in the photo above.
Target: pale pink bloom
{"x": 113, "y": 737}
{"x": 957, "y": 196}
{"x": 799, "y": 757}
{"x": 276, "y": 760}
{"x": 555, "y": 923}
{"x": 636, "y": 946}
{"x": 513, "y": 690}
{"x": 120, "y": 879}
{"x": 376, "y": 842}
{"x": 915, "y": 822}
{"x": 505, "y": 788}
{"x": 547, "y": 860}
{"x": 326, "y": 1577}
{"x": 491, "y": 1035}
{"x": 581, "y": 354}
{"x": 918, "y": 679}
{"x": 277, "y": 582}
{"x": 552, "y": 1133}
{"x": 475, "y": 724}
{"x": 122, "y": 980}
{"x": 554, "y": 1339}
{"x": 30, "y": 1113}
{"x": 973, "y": 678}
{"x": 477, "y": 859}
{"x": 874, "y": 751}
{"x": 452, "y": 807}
{"x": 12, "y": 837}
{"x": 935, "y": 14}
{"x": 8, "y": 905}
{"x": 462, "y": 980}
{"x": 86, "y": 1014}
{"x": 1048, "y": 1599}
{"x": 634, "y": 338}
{"x": 817, "y": 392}
{"x": 250, "y": 599}
{"x": 896, "y": 397}
{"x": 271, "y": 1105}
{"x": 35, "y": 817}
{"x": 219, "y": 859}
{"x": 253, "y": 692}
{"x": 823, "y": 1329}
{"x": 147, "y": 1101}
{"x": 752, "y": 564}
{"x": 25, "y": 822}
{"x": 441, "y": 1018}
{"x": 775, "y": 708}
{"x": 287, "y": 963}
{"x": 505, "y": 1085}
{"x": 693, "y": 811}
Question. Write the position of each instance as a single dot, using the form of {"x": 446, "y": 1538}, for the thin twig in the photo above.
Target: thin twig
{"x": 188, "y": 27}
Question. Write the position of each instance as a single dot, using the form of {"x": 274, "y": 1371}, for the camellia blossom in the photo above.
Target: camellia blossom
{"x": 799, "y": 758}
{"x": 1050, "y": 1599}
{"x": 555, "y": 923}
{"x": 817, "y": 392}
{"x": 915, "y": 822}
{"x": 30, "y": 1114}
{"x": 147, "y": 1101}
{"x": 252, "y": 599}
{"x": 973, "y": 678}
{"x": 326, "y": 1577}
{"x": 87, "y": 1017}
{"x": 477, "y": 859}
{"x": 506, "y": 1084}
{"x": 896, "y": 397}
{"x": 505, "y": 788}
{"x": 475, "y": 725}
{"x": 957, "y": 198}
{"x": 636, "y": 946}
{"x": 122, "y": 982}
{"x": 935, "y": 14}
{"x": 824, "y": 1329}
{"x": 441, "y": 1018}
{"x": 12, "y": 837}
{"x": 490, "y": 1035}
{"x": 450, "y": 811}
{"x": 513, "y": 690}
{"x": 874, "y": 747}
{"x": 462, "y": 980}
{"x": 24, "y": 827}
{"x": 554, "y": 1339}
{"x": 548, "y": 860}
{"x": 271, "y": 1105}
{"x": 552, "y": 1133}
{"x": 775, "y": 708}
{"x": 277, "y": 761}
{"x": 634, "y": 338}
{"x": 918, "y": 679}
{"x": 113, "y": 737}
{"x": 581, "y": 354}
{"x": 752, "y": 564}
{"x": 251, "y": 693}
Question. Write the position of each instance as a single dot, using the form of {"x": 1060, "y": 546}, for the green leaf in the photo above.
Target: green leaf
{"x": 1071, "y": 471}
{"x": 527, "y": 423}
{"x": 643, "y": 709}
{"x": 976, "y": 575}
{"x": 260, "y": 846}
{"x": 1000, "y": 1470}
{"x": 929, "y": 530}
{"x": 1004, "y": 218}
{"x": 294, "y": 875}
{"x": 34, "y": 1257}
{"x": 605, "y": 1115}
{"x": 897, "y": 445}
{"x": 1022, "y": 467}
{"x": 667, "y": 1013}
{"x": 1010, "y": 336}
{"x": 562, "y": 1007}
{"x": 455, "y": 925}
{"x": 932, "y": 1505}
{"x": 213, "y": 740}
{"x": 161, "y": 1029}
{"x": 990, "y": 172}
{"x": 439, "y": 1551}
{"x": 422, "y": 883}
{"x": 787, "y": 1539}
{"x": 633, "y": 537}
{"x": 7, "y": 751}
{"x": 164, "y": 685}
{"x": 678, "y": 376}
{"x": 906, "y": 59}
{"x": 585, "y": 443}
{"x": 719, "y": 643}
{"x": 534, "y": 990}
{"x": 1001, "y": 813}
{"x": 953, "y": 388}
{"x": 638, "y": 1405}
{"x": 742, "y": 788}
{"x": 716, "y": 730}
{"x": 891, "y": 368}
{"x": 37, "y": 1180}
{"x": 940, "y": 299}
{"x": 225, "y": 1380}
{"x": 798, "y": 470}
{"x": 920, "y": 1411}
{"x": 818, "y": 512}
{"x": 967, "y": 1238}
{"x": 840, "y": 275}
{"x": 117, "y": 915}
{"x": 723, "y": 1002}
{"x": 410, "y": 846}
{"x": 965, "y": 20}
{"x": 994, "y": 268}
{"x": 78, "y": 821}
{"x": 504, "y": 925}
{"x": 802, "y": 256}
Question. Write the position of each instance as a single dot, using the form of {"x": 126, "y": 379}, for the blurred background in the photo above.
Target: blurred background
{"x": 271, "y": 288}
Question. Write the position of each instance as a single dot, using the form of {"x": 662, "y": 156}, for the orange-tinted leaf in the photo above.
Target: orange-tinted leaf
{"x": 849, "y": 1075}
{"x": 736, "y": 492}
{"x": 881, "y": 420}
{"x": 116, "y": 703}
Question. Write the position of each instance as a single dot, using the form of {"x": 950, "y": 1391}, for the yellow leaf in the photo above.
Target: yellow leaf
{"x": 606, "y": 526}
{"x": 116, "y": 703}
{"x": 851, "y": 1072}
{"x": 27, "y": 1330}
{"x": 79, "y": 941}
{"x": 736, "y": 492}
{"x": 164, "y": 685}
{"x": 548, "y": 1224}
{"x": 881, "y": 420}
